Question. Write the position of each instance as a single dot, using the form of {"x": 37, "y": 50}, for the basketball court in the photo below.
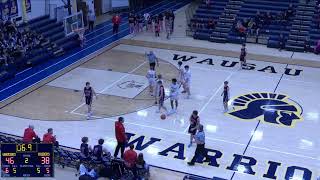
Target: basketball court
{"x": 280, "y": 142}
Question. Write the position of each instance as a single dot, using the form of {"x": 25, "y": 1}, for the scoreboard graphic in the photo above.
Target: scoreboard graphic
{"x": 27, "y": 160}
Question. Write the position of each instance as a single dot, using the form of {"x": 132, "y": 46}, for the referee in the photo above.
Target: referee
{"x": 200, "y": 150}
{"x": 153, "y": 60}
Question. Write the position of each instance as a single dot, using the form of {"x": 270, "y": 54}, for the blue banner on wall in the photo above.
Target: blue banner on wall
{"x": 8, "y": 8}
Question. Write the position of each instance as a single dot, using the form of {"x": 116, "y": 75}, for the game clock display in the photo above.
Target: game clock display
{"x": 27, "y": 160}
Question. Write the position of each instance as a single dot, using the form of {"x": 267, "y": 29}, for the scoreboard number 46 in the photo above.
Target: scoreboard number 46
{"x": 27, "y": 160}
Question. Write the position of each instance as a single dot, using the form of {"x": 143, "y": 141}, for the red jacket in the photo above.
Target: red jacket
{"x": 48, "y": 138}
{"x": 130, "y": 158}
{"x": 120, "y": 132}
{"x": 116, "y": 20}
{"x": 28, "y": 135}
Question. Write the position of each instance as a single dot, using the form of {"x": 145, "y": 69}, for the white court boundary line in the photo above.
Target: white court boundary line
{"x": 212, "y": 139}
{"x": 112, "y": 84}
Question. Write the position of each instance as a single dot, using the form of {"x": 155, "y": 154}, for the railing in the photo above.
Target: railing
{"x": 190, "y": 11}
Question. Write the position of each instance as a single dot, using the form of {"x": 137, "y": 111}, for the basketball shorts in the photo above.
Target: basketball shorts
{"x": 192, "y": 131}
{"x": 174, "y": 97}
{"x": 152, "y": 82}
{"x": 88, "y": 100}
{"x": 225, "y": 98}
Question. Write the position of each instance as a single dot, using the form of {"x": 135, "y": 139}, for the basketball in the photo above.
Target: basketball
{"x": 163, "y": 116}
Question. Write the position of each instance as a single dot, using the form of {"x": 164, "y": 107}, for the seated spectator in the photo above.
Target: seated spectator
{"x": 30, "y": 136}
{"x": 245, "y": 22}
{"x": 268, "y": 18}
{"x": 252, "y": 27}
{"x": 130, "y": 157}
{"x": 200, "y": 24}
{"x": 290, "y": 11}
{"x": 50, "y": 138}
{"x": 240, "y": 28}
{"x": 211, "y": 24}
{"x": 317, "y": 47}
{"x": 86, "y": 174}
{"x": 318, "y": 20}
{"x": 85, "y": 149}
{"x": 307, "y": 47}
{"x": 193, "y": 25}
{"x": 258, "y": 18}
{"x": 282, "y": 42}
{"x": 142, "y": 168}
{"x": 208, "y": 3}
{"x": 100, "y": 153}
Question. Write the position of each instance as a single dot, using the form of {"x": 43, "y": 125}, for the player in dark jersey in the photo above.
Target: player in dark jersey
{"x": 225, "y": 95}
{"x": 85, "y": 149}
{"x": 99, "y": 152}
{"x": 161, "y": 97}
{"x": 88, "y": 93}
{"x": 243, "y": 55}
{"x": 194, "y": 123}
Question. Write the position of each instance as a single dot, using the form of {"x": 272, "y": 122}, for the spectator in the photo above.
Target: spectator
{"x": 85, "y": 174}
{"x": 169, "y": 24}
{"x": 258, "y": 18}
{"x": 208, "y": 3}
{"x": 240, "y": 28}
{"x": 290, "y": 11}
{"x": 317, "y": 47}
{"x": 307, "y": 47}
{"x": 91, "y": 20}
{"x": 268, "y": 18}
{"x": 130, "y": 157}
{"x": 140, "y": 21}
{"x": 156, "y": 27}
{"x": 160, "y": 17}
{"x": 318, "y": 21}
{"x": 142, "y": 168}
{"x": 149, "y": 24}
{"x": 131, "y": 20}
{"x": 172, "y": 16}
{"x": 30, "y": 136}
{"x": 100, "y": 153}
{"x": 146, "y": 20}
{"x": 211, "y": 24}
{"x": 85, "y": 148}
{"x": 116, "y": 20}
{"x": 282, "y": 42}
{"x": 252, "y": 27}
{"x": 120, "y": 136}
{"x": 50, "y": 138}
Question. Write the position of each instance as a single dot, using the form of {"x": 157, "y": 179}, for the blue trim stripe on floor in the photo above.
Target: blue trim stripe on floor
{"x": 97, "y": 41}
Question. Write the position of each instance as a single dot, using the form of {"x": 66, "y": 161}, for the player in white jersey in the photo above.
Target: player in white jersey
{"x": 187, "y": 80}
{"x": 151, "y": 76}
{"x": 174, "y": 94}
{"x": 180, "y": 78}
{"x": 157, "y": 88}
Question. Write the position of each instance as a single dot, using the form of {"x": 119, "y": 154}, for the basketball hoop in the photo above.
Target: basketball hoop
{"x": 80, "y": 32}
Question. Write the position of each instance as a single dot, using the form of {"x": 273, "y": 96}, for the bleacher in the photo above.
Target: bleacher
{"x": 300, "y": 27}
{"x": 57, "y": 44}
{"x": 204, "y": 13}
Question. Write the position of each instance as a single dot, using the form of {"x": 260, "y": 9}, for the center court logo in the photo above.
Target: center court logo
{"x": 276, "y": 109}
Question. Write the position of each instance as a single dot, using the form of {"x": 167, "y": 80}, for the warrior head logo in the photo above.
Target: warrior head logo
{"x": 277, "y": 109}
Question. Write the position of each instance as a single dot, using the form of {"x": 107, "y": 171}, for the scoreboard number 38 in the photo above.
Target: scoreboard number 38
{"x": 27, "y": 160}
